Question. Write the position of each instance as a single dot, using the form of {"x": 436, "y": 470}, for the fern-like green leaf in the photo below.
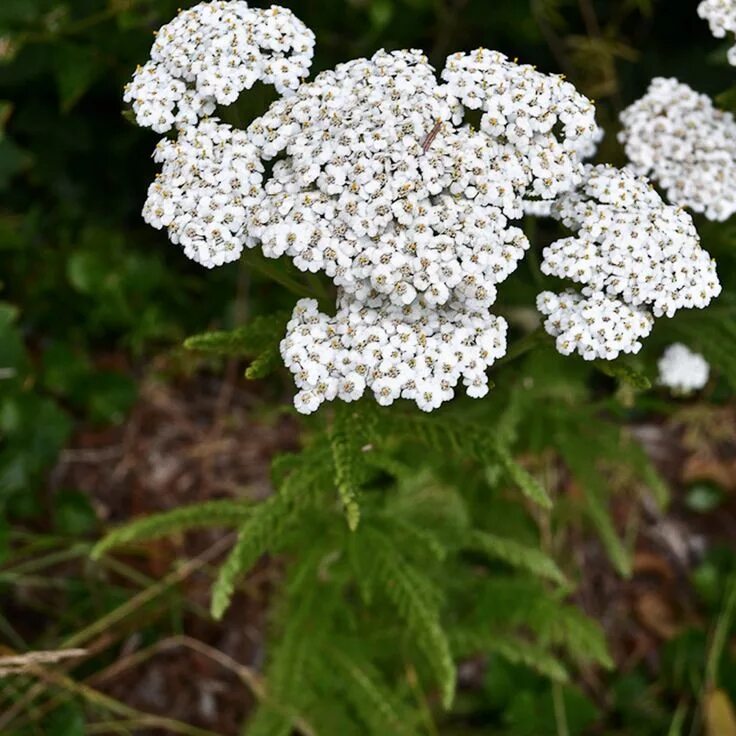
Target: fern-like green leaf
{"x": 417, "y": 542}
{"x": 517, "y": 555}
{"x": 392, "y": 466}
{"x": 474, "y": 441}
{"x": 512, "y": 648}
{"x": 263, "y": 364}
{"x": 298, "y": 477}
{"x": 262, "y": 531}
{"x": 349, "y": 464}
{"x": 525, "y": 481}
{"x": 364, "y": 687}
{"x": 242, "y": 341}
{"x": 259, "y": 338}
{"x": 225, "y": 512}
{"x": 291, "y": 682}
{"x": 503, "y": 602}
{"x": 417, "y": 604}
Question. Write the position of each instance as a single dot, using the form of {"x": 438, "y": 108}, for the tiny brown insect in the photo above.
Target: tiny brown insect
{"x": 431, "y": 136}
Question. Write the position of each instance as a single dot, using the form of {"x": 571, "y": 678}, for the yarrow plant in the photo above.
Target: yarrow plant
{"x": 405, "y": 200}
{"x": 682, "y": 370}
{"x": 372, "y": 175}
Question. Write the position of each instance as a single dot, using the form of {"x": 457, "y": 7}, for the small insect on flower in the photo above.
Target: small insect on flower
{"x": 431, "y": 136}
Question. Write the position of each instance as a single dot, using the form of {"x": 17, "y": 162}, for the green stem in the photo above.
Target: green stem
{"x": 560, "y": 714}
{"x": 522, "y": 346}
{"x": 81, "y": 25}
{"x": 270, "y": 269}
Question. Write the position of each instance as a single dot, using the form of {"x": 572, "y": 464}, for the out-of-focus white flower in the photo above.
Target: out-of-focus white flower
{"x": 212, "y": 52}
{"x": 211, "y": 176}
{"x": 418, "y": 352}
{"x": 686, "y": 145}
{"x": 682, "y": 370}
{"x": 721, "y": 17}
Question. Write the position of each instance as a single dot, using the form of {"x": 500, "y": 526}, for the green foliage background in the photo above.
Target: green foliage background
{"x": 398, "y": 571}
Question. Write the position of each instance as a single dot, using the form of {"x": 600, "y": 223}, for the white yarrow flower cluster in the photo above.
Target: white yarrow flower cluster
{"x": 721, "y": 17}
{"x": 682, "y": 370}
{"x": 378, "y": 181}
{"x": 212, "y": 52}
{"x": 418, "y": 352}
{"x": 384, "y": 189}
{"x": 211, "y": 177}
{"x": 537, "y": 207}
{"x": 678, "y": 137}
{"x": 595, "y": 325}
{"x": 632, "y": 253}
{"x": 541, "y": 115}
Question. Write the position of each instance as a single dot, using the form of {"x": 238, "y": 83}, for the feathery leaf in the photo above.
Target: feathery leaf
{"x": 518, "y": 555}
{"x": 225, "y": 512}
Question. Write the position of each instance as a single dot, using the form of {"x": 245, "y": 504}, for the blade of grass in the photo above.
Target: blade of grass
{"x": 104, "y": 624}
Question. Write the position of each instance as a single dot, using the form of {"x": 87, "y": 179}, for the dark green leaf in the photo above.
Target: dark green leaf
{"x": 76, "y": 69}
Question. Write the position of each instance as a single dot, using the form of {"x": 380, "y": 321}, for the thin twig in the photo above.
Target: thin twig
{"x": 103, "y": 624}
{"x": 100, "y": 700}
{"x": 177, "y": 576}
{"x": 556, "y": 46}
{"x": 19, "y": 663}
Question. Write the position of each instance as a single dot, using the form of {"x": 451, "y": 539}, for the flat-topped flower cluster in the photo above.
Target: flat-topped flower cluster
{"x": 371, "y": 175}
{"x": 384, "y": 189}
